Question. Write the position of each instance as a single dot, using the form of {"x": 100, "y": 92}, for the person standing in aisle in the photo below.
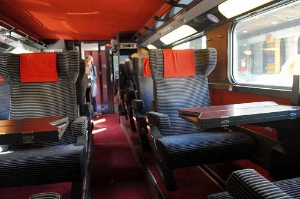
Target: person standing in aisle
{"x": 92, "y": 76}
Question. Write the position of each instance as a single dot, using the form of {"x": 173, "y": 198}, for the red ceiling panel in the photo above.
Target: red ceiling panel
{"x": 78, "y": 19}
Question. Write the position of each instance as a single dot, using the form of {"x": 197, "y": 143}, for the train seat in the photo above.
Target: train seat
{"x": 121, "y": 90}
{"x": 143, "y": 103}
{"x": 248, "y": 183}
{"x": 85, "y": 108}
{"x": 130, "y": 92}
{"x": 30, "y": 97}
{"x": 175, "y": 142}
{"x": 127, "y": 91}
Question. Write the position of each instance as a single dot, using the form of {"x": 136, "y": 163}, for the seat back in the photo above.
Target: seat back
{"x": 144, "y": 83}
{"x": 122, "y": 83}
{"x": 122, "y": 79}
{"x": 85, "y": 108}
{"x": 42, "y": 99}
{"x": 130, "y": 84}
{"x": 81, "y": 84}
{"x": 173, "y": 93}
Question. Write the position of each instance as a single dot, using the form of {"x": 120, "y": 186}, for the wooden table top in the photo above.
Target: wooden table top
{"x": 32, "y": 130}
{"x": 234, "y": 114}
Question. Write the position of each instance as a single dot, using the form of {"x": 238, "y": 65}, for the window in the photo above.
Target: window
{"x": 261, "y": 44}
{"x": 199, "y": 43}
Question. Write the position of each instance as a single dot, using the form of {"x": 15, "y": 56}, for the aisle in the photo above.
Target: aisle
{"x": 115, "y": 174}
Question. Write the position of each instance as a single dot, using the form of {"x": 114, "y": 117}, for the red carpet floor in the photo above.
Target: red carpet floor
{"x": 115, "y": 174}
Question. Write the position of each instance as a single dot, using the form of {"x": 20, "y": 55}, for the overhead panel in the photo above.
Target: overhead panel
{"x": 181, "y": 18}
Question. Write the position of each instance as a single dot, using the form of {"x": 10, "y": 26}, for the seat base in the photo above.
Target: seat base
{"x": 185, "y": 150}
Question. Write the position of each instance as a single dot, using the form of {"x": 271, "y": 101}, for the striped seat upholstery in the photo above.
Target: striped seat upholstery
{"x": 171, "y": 94}
{"x": 144, "y": 85}
{"x": 141, "y": 105}
{"x": 52, "y": 162}
{"x": 122, "y": 83}
{"x": 248, "y": 184}
{"x": 85, "y": 108}
{"x": 129, "y": 92}
{"x": 48, "y": 195}
{"x": 176, "y": 142}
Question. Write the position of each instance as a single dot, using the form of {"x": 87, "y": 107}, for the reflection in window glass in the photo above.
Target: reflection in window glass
{"x": 263, "y": 43}
{"x": 199, "y": 43}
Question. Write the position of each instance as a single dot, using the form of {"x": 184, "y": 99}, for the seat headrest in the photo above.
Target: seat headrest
{"x": 178, "y": 63}
{"x": 141, "y": 66}
{"x": 38, "y": 67}
{"x": 146, "y": 67}
{"x": 67, "y": 67}
{"x": 204, "y": 62}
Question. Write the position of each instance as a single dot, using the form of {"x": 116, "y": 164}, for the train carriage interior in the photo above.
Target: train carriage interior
{"x": 160, "y": 99}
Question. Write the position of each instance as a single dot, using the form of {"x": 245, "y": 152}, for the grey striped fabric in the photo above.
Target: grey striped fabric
{"x": 44, "y": 163}
{"x": 162, "y": 121}
{"x": 249, "y": 184}
{"x": 171, "y": 94}
{"x": 185, "y": 150}
{"x": 30, "y": 100}
{"x": 48, "y": 195}
{"x": 182, "y": 144}
{"x": 143, "y": 103}
{"x": 144, "y": 84}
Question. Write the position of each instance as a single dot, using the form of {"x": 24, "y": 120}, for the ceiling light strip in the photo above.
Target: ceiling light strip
{"x": 232, "y": 8}
{"x": 177, "y": 34}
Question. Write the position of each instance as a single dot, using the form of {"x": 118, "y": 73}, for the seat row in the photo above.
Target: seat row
{"x": 173, "y": 85}
{"x": 163, "y": 86}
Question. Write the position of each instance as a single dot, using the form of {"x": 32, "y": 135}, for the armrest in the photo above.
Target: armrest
{"x": 158, "y": 119}
{"x": 86, "y": 109}
{"x": 79, "y": 126}
{"x": 247, "y": 183}
{"x": 155, "y": 133}
{"x": 137, "y": 104}
{"x": 81, "y": 140}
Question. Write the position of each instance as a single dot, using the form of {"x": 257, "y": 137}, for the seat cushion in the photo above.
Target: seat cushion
{"x": 289, "y": 186}
{"x": 248, "y": 184}
{"x": 29, "y": 166}
{"x": 203, "y": 148}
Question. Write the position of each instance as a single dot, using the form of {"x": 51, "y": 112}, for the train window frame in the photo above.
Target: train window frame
{"x": 195, "y": 43}
{"x": 244, "y": 54}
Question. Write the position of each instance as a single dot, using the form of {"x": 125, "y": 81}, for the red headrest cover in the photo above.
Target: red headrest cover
{"x": 146, "y": 67}
{"x": 38, "y": 67}
{"x": 179, "y": 63}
